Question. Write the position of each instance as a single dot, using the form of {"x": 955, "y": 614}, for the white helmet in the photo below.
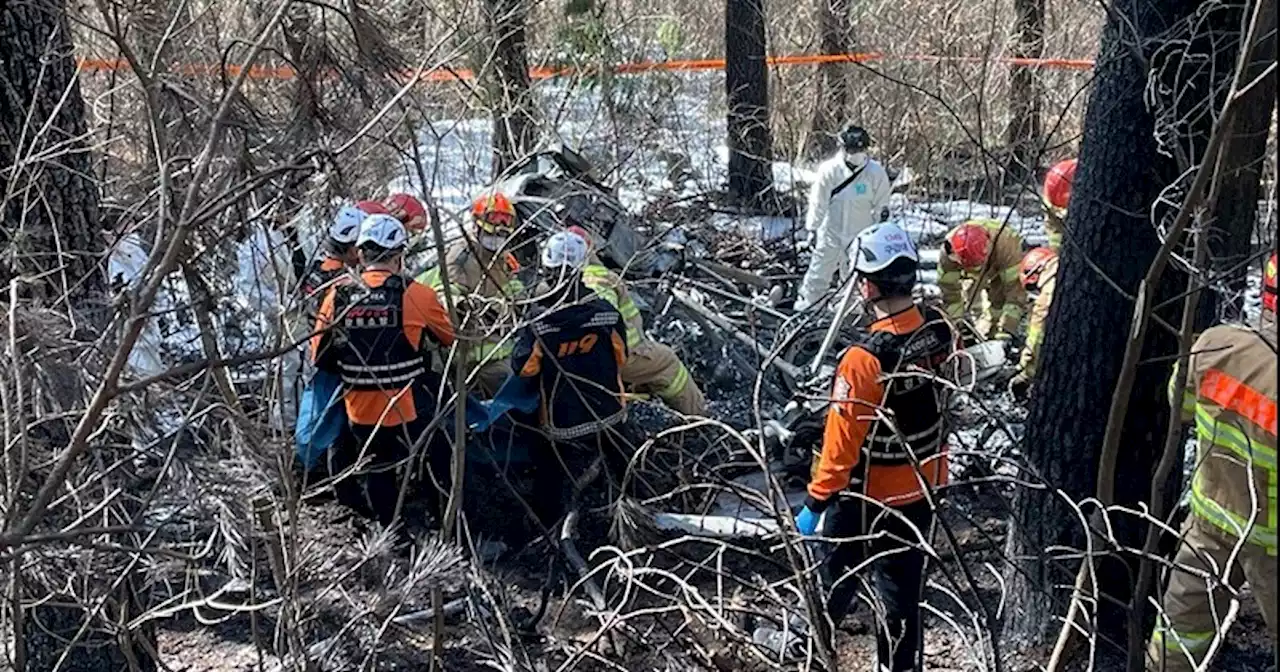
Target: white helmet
{"x": 880, "y": 245}
{"x": 564, "y": 248}
{"x": 382, "y": 230}
{"x": 346, "y": 224}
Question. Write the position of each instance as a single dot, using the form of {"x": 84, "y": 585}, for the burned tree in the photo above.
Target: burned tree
{"x": 747, "y": 95}
{"x": 1112, "y": 244}
{"x": 50, "y": 205}
{"x": 1025, "y": 132}
{"x": 833, "y": 79}
{"x": 508, "y": 81}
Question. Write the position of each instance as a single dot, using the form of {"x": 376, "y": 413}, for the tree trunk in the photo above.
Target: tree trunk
{"x": 50, "y": 210}
{"x": 509, "y": 89}
{"x": 833, "y": 78}
{"x": 1115, "y": 187}
{"x": 1025, "y": 130}
{"x": 747, "y": 93}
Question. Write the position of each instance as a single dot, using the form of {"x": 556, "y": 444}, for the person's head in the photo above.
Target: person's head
{"x": 563, "y": 256}
{"x": 886, "y": 265}
{"x": 1057, "y": 187}
{"x": 408, "y": 210}
{"x": 495, "y": 219}
{"x": 855, "y": 140}
{"x": 1033, "y": 265}
{"x": 381, "y": 242}
{"x": 968, "y": 244}
{"x": 1269, "y": 289}
{"x": 342, "y": 233}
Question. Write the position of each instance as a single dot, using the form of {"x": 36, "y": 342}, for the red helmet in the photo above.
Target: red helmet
{"x": 408, "y": 210}
{"x": 1033, "y": 265}
{"x": 372, "y": 208}
{"x": 1057, "y": 184}
{"x": 968, "y": 244}
{"x": 582, "y": 233}
{"x": 1269, "y": 284}
{"x": 493, "y": 212}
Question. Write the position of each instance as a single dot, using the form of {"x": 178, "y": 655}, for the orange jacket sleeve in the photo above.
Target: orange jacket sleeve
{"x": 434, "y": 316}
{"x": 324, "y": 319}
{"x": 855, "y": 395}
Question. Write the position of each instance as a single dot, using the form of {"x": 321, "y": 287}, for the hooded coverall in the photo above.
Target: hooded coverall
{"x": 381, "y": 336}
{"x": 1030, "y": 359}
{"x": 486, "y": 285}
{"x": 996, "y": 282}
{"x": 834, "y": 221}
{"x": 869, "y": 417}
{"x": 651, "y": 367}
{"x": 1231, "y": 398}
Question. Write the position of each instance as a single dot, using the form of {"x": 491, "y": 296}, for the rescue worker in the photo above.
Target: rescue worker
{"x": 1057, "y": 193}
{"x": 573, "y": 351}
{"x": 1230, "y": 536}
{"x": 651, "y": 367}
{"x": 408, "y": 210}
{"x": 884, "y": 440}
{"x": 384, "y": 335}
{"x": 337, "y": 256}
{"x": 484, "y": 279}
{"x": 1038, "y": 272}
{"x": 986, "y": 253}
{"x": 372, "y": 208}
{"x": 850, "y": 193}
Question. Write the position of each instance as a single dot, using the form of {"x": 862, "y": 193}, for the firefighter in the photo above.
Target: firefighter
{"x": 408, "y": 210}
{"x": 337, "y": 256}
{"x": 850, "y": 193}
{"x": 883, "y": 444}
{"x": 1057, "y": 193}
{"x": 573, "y": 351}
{"x": 1230, "y": 537}
{"x": 651, "y": 367}
{"x": 483, "y": 277}
{"x": 987, "y": 253}
{"x": 384, "y": 336}
{"x": 1038, "y": 271}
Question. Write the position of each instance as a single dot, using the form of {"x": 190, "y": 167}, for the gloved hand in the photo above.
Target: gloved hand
{"x": 807, "y": 522}
{"x": 1019, "y": 386}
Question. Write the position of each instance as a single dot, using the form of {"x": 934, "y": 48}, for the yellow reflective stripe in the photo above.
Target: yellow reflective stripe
{"x": 629, "y": 309}
{"x": 1223, "y": 434}
{"x": 595, "y": 271}
{"x": 1217, "y": 515}
{"x": 677, "y": 384}
{"x": 514, "y": 286}
{"x": 1194, "y": 642}
{"x": 1055, "y": 240}
{"x": 634, "y": 337}
{"x": 1012, "y": 311}
{"x": 491, "y": 351}
{"x": 1009, "y": 275}
{"x": 431, "y": 278}
{"x": 605, "y": 292}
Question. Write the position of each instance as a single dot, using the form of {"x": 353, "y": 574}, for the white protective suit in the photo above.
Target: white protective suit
{"x": 834, "y": 222}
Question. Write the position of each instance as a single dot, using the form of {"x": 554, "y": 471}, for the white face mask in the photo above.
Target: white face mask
{"x": 492, "y": 243}
{"x": 856, "y": 159}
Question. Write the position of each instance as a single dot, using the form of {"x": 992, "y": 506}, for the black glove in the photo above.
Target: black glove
{"x": 1020, "y": 386}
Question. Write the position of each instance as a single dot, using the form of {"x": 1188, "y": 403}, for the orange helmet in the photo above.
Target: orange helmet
{"x": 494, "y": 213}
{"x": 408, "y": 210}
{"x": 1269, "y": 284}
{"x": 1033, "y": 265}
{"x": 968, "y": 244}
{"x": 372, "y": 208}
{"x": 1057, "y": 184}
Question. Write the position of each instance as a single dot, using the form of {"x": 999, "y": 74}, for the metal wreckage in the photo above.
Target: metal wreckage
{"x": 718, "y": 297}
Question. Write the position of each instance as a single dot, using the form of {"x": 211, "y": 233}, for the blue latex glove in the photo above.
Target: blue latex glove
{"x": 807, "y": 522}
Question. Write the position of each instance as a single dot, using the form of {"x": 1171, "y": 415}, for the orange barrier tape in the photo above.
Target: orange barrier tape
{"x": 640, "y": 67}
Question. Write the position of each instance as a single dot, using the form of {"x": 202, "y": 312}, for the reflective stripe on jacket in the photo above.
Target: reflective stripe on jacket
{"x": 610, "y": 287}
{"x": 1231, "y": 398}
{"x": 1030, "y": 359}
